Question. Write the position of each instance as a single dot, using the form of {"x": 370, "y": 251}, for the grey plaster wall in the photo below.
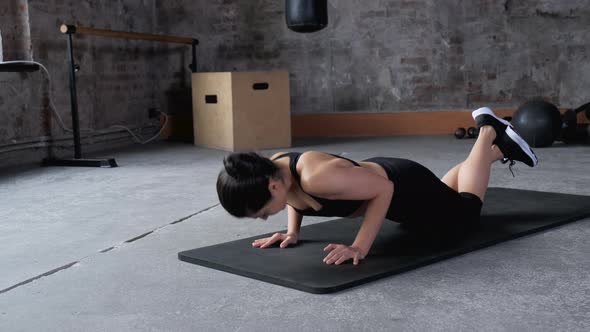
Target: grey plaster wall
{"x": 375, "y": 56}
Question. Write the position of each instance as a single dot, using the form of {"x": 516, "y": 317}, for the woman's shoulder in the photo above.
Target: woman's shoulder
{"x": 308, "y": 159}
{"x": 278, "y": 154}
{"x": 314, "y": 154}
{"x": 319, "y": 158}
{"x": 316, "y": 162}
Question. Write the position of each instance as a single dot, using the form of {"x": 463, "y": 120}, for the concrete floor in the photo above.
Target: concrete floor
{"x": 67, "y": 264}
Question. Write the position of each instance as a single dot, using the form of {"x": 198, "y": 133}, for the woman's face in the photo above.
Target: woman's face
{"x": 278, "y": 201}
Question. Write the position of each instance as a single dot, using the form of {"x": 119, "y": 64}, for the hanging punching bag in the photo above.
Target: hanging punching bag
{"x": 306, "y": 15}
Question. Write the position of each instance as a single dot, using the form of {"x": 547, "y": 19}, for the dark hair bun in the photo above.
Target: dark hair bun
{"x": 244, "y": 165}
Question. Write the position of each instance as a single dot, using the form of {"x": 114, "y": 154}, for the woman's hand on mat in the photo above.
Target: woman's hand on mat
{"x": 286, "y": 239}
{"x": 340, "y": 253}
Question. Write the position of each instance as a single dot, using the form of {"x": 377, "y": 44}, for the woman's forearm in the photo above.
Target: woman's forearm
{"x": 374, "y": 216}
{"x": 294, "y": 223}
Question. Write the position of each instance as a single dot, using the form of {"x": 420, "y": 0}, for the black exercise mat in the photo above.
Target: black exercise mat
{"x": 507, "y": 214}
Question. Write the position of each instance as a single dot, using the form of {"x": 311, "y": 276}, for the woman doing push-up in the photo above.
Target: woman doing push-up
{"x": 319, "y": 184}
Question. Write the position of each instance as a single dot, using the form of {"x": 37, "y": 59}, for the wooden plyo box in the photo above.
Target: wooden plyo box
{"x": 242, "y": 111}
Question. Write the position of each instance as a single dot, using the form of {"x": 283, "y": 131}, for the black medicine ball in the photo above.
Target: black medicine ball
{"x": 538, "y": 122}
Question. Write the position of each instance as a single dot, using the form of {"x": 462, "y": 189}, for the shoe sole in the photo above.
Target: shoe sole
{"x": 488, "y": 111}
{"x": 523, "y": 145}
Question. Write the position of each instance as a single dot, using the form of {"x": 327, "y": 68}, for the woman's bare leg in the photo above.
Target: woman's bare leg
{"x": 473, "y": 174}
{"x": 451, "y": 179}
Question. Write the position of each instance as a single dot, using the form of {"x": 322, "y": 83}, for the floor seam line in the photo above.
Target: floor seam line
{"x": 46, "y": 274}
{"x": 69, "y": 265}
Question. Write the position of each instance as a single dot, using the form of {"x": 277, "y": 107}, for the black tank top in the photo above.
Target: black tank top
{"x": 330, "y": 208}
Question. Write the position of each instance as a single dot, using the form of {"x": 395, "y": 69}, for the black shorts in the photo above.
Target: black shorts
{"x": 421, "y": 198}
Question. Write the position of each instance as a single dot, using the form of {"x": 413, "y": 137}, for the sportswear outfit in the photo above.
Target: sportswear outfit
{"x": 419, "y": 196}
